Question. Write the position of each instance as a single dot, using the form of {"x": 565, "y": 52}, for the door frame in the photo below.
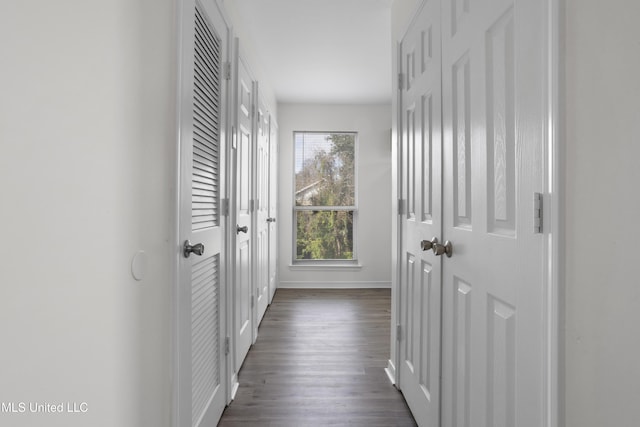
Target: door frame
{"x": 553, "y": 215}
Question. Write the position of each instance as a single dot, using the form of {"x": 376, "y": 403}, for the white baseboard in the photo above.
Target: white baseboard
{"x": 234, "y": 388}
{"x": 334, "y": 285}
{"x": 391, "y": 372}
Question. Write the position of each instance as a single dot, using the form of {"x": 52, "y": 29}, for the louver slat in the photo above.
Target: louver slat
{"x": 206, "y": 127}
{"x": 205, "y": 341}
{"x": 205, "y": 196}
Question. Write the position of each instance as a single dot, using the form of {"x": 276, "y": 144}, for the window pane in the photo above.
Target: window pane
{"x": 324, "y": 235}
{"x": 324, "y": 167}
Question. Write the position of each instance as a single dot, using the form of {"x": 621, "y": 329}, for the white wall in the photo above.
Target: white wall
{"x": 602, "y": 294}
{"x": 250, "y": 54}
{"x": 86, "y": 142}
{"x": 373, "y": 123}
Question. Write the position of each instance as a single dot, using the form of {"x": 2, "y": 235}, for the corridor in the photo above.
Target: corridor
{"x": 319, "y": 360}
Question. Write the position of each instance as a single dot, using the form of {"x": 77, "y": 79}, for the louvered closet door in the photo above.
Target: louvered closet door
{"x": 201, "y": 292}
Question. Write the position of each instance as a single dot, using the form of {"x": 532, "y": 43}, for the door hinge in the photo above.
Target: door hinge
{"x": 226, "y": 346}
{"x": 253, "y": 299}
{"x": 537, "y": 213}
{"x": 400, "y": 207}
{"x": 398, "y": 332}
{"x": 252, "y": 205}
{"x": 226, "y": 70}
{"x": 224, "y": 207}
{"x": 400, "y": 81}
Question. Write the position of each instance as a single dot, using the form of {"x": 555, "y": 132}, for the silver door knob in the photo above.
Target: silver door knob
{"x": 189, "y": 249}
{"x": 241, "y": 229}
{"x": 428, "y": 244}
{"x": 447, "y": 249}
{"x": 271, "y": 220}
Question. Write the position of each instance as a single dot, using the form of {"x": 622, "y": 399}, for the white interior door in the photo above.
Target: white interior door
{"x": 200, "y": 356}
{"x": 273, "y": 206}
{"x": 243, "y": 286}
{"x": 494, "y": 131}
{"x": 420, "y": 287}
{"x": 261, "y": 180}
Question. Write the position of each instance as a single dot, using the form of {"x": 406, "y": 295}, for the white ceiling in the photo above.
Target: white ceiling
{"x": 323, "y": 51}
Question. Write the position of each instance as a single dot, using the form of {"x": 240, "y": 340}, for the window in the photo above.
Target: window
{"x": 325, "y": 196}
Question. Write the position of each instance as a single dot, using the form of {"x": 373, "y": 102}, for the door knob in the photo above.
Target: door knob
{"x": 241, "y": 229}
{"x": 447, "y": 249}
{"x": 428, "y": 244}
{"x": 271, "y": 220}
{"x": 189, "y": 249}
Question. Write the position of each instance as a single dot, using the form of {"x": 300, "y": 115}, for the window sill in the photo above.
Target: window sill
{"x": 323, "y": 266}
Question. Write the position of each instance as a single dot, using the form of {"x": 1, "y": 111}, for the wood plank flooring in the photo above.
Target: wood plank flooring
{"x": 319, "y": 361}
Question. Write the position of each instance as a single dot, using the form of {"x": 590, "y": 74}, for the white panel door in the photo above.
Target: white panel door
{"x": 273, "y": 205}
{"x": 200, "y": 356}
{"x": 494, "y": 132}
{"x": 420, "y": 291}
{"x": 243, "y": 286}
{"x": 261, "y": 197}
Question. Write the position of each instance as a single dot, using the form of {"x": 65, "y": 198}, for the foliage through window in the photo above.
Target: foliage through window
{"x": 325, "y": 195}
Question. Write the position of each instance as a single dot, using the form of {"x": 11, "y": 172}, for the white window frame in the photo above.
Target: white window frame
{"x": 354, "y": 209}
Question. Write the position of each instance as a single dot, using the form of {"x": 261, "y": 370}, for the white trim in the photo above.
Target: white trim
{"x": 175, "y": 229}
{"x": 554, "y": 261}
{"x": 234, "y": 387}
{"x": 396, "y": 198}
{"x": 390, "y": 370}
{"x": 325, "y": 266}
{"x": 354, "y": 209}
{"x": 334, "y": 285}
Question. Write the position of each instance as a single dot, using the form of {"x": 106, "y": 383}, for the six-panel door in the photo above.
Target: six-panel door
{"x": 261, "y": 197}
{"x": 243, "y": 286}
{"x": 420, "y": 286}
{"x": 494, "y": 133}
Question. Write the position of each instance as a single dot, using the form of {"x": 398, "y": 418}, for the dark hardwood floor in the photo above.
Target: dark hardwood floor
{"x": 319, "y": 361}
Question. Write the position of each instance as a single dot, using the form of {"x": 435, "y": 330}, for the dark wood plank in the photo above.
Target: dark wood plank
{"x": 319, "y": 361}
